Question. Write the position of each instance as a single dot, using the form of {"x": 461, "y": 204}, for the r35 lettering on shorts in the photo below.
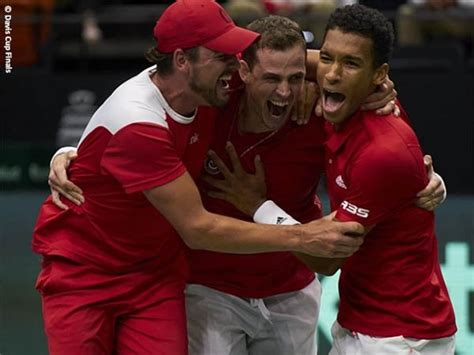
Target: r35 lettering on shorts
{"x": 349, "y": 207}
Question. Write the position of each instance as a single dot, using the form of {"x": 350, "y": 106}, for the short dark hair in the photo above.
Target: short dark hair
{"x": 276, "y": 33}
{"x": 164, "y": 61}
{"x": 367, "y": 22}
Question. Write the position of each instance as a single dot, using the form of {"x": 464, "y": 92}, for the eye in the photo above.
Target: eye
{"x": 296, "y": 79}
{"x": 352, "y": 64}
{"x": 324, "y": 58}
{"x": 271, "y": 79}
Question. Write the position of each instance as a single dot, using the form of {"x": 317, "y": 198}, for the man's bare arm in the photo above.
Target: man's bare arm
{"x": 180, "y": 203}
{"x": 312, "y": 60}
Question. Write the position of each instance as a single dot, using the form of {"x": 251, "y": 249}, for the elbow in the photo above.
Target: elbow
{"x": 191, "y": 238}
{"x": 190, "y": 242}
{"x": 194, "y": 234}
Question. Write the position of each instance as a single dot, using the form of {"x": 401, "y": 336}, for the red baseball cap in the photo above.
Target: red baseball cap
{"x": 191, "y": 23}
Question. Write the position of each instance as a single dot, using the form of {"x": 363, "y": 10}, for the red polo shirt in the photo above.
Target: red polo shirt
{"x": 293, "y": 160}
{"x": 393, "y": 285}
{"x": 134, "y": 142}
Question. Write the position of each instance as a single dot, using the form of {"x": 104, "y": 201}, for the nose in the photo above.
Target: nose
{"x": 283, "y": 89}
{"x": 334, "y": 73}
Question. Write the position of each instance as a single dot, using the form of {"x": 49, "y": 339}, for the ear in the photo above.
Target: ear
{"x": 381, "y": 74}
{"x": 180, "y": 60}
{"x": 244, "y": 71}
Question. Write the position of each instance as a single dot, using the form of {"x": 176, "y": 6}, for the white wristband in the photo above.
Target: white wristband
{"x": 270, "y": 213}
{"x": 445, "y": 194}
{"x": 62, "y": 150}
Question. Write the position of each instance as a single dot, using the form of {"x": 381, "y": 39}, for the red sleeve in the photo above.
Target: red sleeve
{"x": 142, "y": 156}
{"x": 380, "y": 183}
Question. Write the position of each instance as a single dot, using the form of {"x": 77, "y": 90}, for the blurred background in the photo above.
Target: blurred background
{"x": 65, "y": 57}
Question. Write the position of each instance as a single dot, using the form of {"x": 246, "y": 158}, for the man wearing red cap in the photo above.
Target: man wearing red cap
{"x": 114, "y": 268}
{"x": 265, "y": 303}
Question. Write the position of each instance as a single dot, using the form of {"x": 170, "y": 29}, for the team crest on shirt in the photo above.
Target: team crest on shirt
{"x": 194, "y": 138}
{"x": 210, "y": 167}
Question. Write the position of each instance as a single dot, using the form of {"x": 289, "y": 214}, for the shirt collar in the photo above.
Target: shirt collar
{"x": 161, "y": 99}
{"x": 337, "y": 138}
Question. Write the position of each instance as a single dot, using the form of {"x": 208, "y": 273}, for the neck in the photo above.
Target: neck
{"x": 250, "y": 120}
{"x": 176, "y": 93}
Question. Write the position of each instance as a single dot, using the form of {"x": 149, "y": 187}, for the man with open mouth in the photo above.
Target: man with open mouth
{"x": 393, "y": 299}
{"x": 260, "y": 303}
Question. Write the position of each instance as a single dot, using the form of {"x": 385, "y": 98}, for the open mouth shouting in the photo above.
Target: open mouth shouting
{"x": 223, "y": 81}
{"x": 332, "y": 100}
{"x": 277, "y": 109}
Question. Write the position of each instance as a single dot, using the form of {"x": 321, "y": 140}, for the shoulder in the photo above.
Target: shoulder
{"x": 391, "y": 126}
{"x": 314, "y": 128}
{"x": 132, "y": 102}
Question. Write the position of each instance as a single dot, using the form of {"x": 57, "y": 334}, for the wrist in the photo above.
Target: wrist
{"x": 256, "y": 207}
{"x": 60, "y": 151}
{"x": 445, "y": 193}
{"x": 269, "y": 213}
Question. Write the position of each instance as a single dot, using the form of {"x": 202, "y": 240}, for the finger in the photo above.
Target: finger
{"x": 310, "y": 99}
{"x": 351, "y": 228}
{"x": 348, "y": 250}
{"x": 429, "y": 204}
{"x": 294, "y": 113}
{"x": 434, "y": 187}
{"x": 52, "y": 178}
{"x": 69, "y": 186}
{"x": 70, "y": 156}
{"x": 60, "y": 172}
{"x": 57, "y": 201}
{"x": 330, "y": 216}
{"x": 379, "y": 94}
{"x": 59, "y": 166}
{"x": 77, "y": 196}
{"x": 397, "y": 111}
{"x": 428, "y": 160}
{"x": 219, "y": 195}
{"x": 259, "y": 170}
{"x": 220, "y": 165}
{"x": 429, "y": 189}
{"x": 298, "y": 107}
{"x": 387, "y": 109}
{"x": 58, "y": 175}
{"x": 378, "y": 101}
{"x": 234, "y": 158}
{"x": 318, "y": 110}
{"x": 68, "y": 195}
{"x": 347, "y": 246}
{"x": 433, "y": 199}
{"x": 440, "y": 191}
{"x": 436, "y": 202}
{"x": 423, "y": 202}
{"x": 217, "y": 183}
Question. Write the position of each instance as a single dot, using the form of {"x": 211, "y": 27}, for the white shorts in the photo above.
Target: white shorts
{"x": 346, "y": 342}
{"x": 223, "y": 324}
